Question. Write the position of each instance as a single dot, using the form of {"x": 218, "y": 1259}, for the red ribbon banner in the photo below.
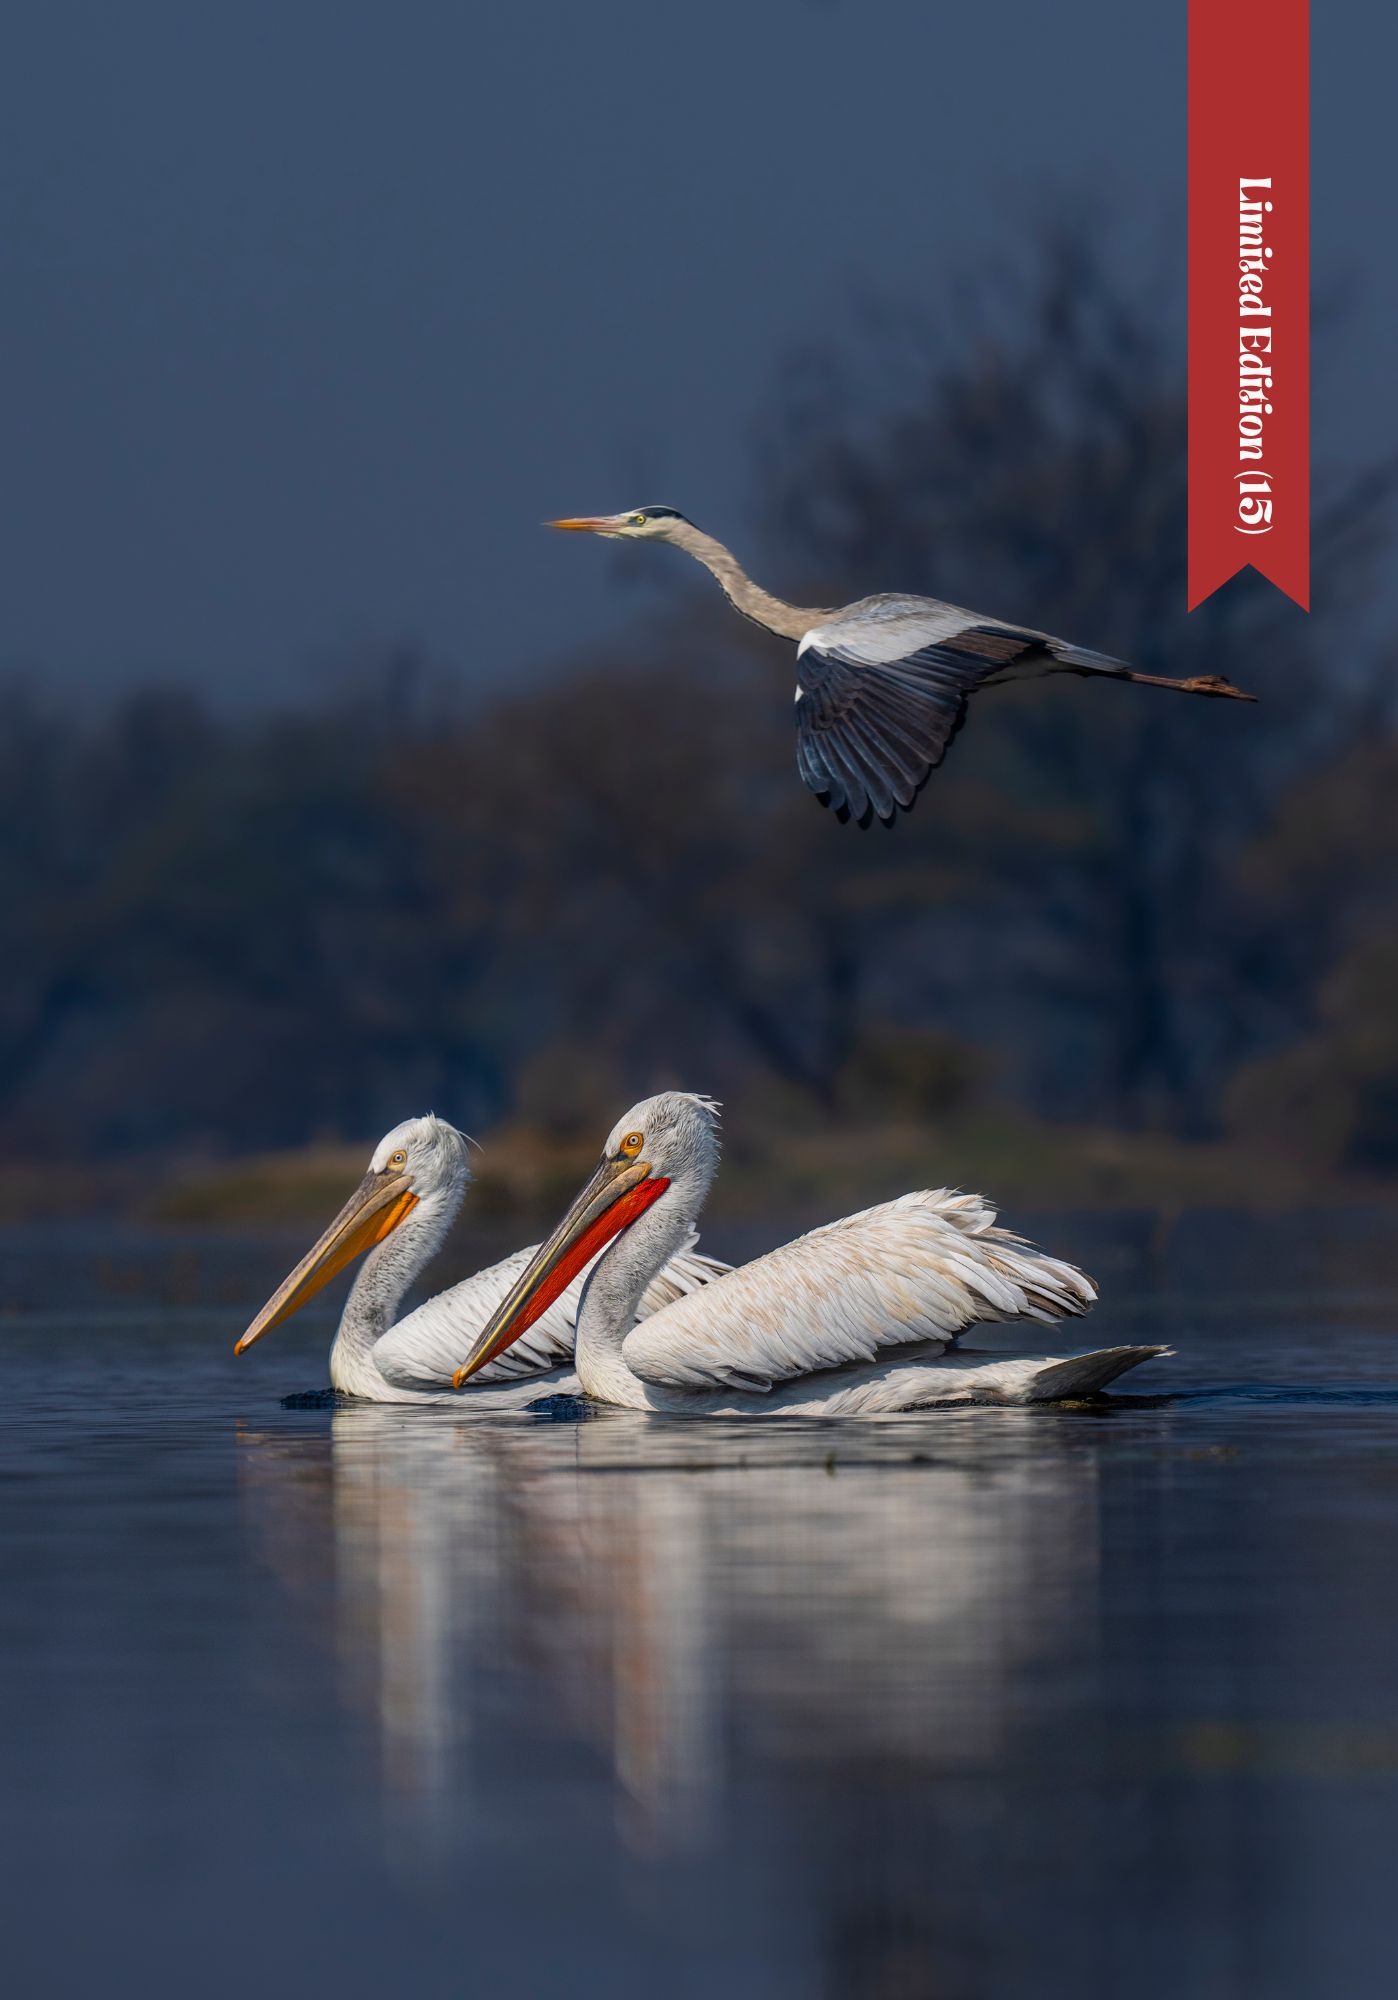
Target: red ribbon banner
{"x": 1249, "y": 294}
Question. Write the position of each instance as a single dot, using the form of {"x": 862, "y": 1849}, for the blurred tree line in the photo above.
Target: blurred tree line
{"x": 1112, "y": 905}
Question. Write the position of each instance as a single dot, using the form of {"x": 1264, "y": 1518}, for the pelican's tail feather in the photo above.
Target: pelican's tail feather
{"x": 1084, "y": 1374}
{"x": 951, "y": 1380}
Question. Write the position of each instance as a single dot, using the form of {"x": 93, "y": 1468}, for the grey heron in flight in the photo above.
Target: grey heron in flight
{"x": 397, "y": 1219}
{"x": 882, "y": 684}
{"x": 854, "y": 1319}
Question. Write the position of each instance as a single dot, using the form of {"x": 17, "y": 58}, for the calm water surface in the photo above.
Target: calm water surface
{"x": 1060, "y": 1702}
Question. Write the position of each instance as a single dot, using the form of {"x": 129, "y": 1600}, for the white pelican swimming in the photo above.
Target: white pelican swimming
{"x": 803, "y": 1331}
{"x": 400, "y": 1213}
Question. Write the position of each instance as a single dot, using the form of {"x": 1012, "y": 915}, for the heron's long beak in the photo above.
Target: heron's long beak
{"x": 618, "y": 1192}
{"x": 372, "y": 1212}
{"x": 591, "y": 524}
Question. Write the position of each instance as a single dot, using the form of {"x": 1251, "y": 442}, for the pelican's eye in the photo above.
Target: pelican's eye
{"x": 638, "y": 520}
{"x": 399, "y": 1159}
{"x": 632, "y": 1144}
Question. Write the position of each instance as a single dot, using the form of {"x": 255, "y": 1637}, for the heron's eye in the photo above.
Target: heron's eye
{"x": 631, "y": 1144}
{"x": 638, "y": 520}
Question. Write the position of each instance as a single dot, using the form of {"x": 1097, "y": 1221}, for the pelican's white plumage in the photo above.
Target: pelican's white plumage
{"x": 852, "y": 1319}
{"x": 425, "y": 1348}
{"x": 920, "y": 1269}
{"x": 400, "y": 1215}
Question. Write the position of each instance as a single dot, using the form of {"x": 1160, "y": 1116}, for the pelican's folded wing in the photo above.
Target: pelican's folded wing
{"x": 424, "y": 1350}
{"x": 919, "y": 1269}
{"x": 882, "y": 690}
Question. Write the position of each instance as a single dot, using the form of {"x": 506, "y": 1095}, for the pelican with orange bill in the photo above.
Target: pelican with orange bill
{"x": 383, "y": 1199}
{"x": 396, "y": 1221}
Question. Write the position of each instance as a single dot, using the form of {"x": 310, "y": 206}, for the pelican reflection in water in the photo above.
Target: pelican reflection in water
{"x": 672, "y": 1599}
{"x": 397, "y": 1219}
{"x": 854, "y": 1319}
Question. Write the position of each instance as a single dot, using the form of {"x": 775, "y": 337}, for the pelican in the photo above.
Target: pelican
{"x": 881, "y": 684}
{"x": 400, "y": 1214}
{"x": 856, "y": 1318}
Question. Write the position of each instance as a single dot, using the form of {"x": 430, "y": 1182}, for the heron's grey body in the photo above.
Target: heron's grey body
{"x": 883, "y": 684}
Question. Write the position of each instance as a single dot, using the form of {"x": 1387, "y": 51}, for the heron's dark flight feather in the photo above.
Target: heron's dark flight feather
{"x": 869, "y": 736}
{"x": 871, "y": 730}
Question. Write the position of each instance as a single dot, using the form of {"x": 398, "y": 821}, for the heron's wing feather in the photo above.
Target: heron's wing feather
{"x": 889, "y": 630}
{"x": 425, "y": 1349}
{"x": 869, "y": 736}
{"x": 918, "y": 1269}
{"x": 869, "y": 732}
{"x": 883, "y": 689}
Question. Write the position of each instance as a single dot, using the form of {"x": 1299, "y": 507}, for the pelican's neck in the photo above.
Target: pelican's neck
{"x": 787, "y": 620}
{"x": 611, "y": 1298}
{"x": 384, "y": 1277}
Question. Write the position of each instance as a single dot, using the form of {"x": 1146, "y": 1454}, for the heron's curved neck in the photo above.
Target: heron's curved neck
{"x": 788, "y": 620}
{"x": 611, "y": 1298}
{"x": 387, "y": 1272}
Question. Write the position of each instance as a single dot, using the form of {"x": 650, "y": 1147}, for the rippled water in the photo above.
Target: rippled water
{"x": 1054, "y": 1702}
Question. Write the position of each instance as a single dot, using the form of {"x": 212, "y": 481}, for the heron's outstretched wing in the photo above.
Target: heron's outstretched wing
{"x": 425, "y": 1348}
{"x": 919, "y": 1269}
{"x": 883, "y": 687}
{"x": 882, "y": 690}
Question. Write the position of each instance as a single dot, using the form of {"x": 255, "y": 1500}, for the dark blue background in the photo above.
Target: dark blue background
{"x": 309, "y": 312}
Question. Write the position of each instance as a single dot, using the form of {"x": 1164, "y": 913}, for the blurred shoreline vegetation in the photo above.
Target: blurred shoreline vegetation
{"x": 1130, "y": 947}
